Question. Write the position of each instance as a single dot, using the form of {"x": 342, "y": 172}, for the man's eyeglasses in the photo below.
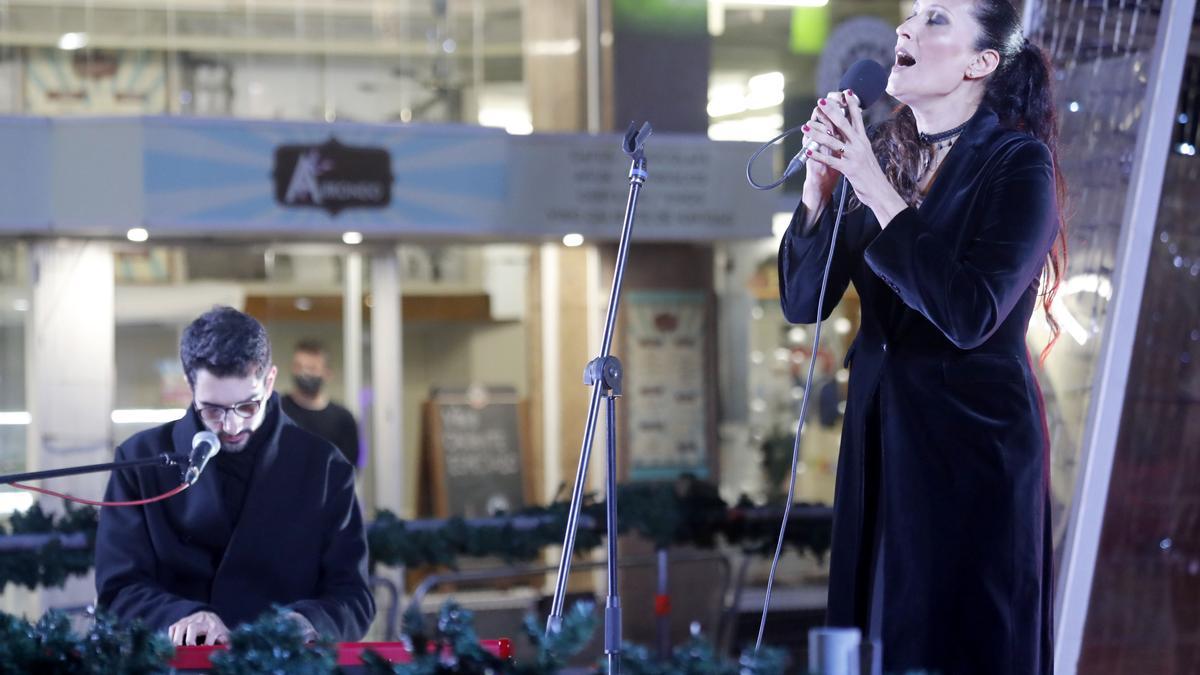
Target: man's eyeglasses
{"x": 216, "y": 413}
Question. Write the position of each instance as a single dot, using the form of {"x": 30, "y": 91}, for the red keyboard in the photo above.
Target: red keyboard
{"x": 348, "y": 653}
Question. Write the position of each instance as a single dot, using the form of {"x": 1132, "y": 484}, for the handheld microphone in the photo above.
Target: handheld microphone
{"x": 205, "y": 446}
{"x": 867, "y": 79}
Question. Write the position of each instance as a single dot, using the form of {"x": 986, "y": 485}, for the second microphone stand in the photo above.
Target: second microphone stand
{"x": 604, "y": 375}
{"x": 163, "y": 459}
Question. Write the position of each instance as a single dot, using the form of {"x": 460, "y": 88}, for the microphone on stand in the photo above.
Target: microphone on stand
{"x": 205, "y": 446}
{"x": 867, "y": 79}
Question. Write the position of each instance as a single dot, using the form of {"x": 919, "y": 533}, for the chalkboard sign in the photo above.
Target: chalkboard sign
{"x": 475, "y": 454}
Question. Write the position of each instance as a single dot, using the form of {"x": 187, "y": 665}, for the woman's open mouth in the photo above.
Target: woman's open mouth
{"x": 904, "y": 59}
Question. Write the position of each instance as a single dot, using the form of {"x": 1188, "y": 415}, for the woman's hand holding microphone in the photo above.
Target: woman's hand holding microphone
{"x": 843, "y": 149}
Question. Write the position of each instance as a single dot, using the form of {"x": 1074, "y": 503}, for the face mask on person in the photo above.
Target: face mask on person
{"x": 309, "y": 385}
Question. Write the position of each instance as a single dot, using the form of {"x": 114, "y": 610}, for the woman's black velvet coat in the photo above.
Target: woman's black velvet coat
{"x": 947, "y": 293}
{"x": 299, "y": 542}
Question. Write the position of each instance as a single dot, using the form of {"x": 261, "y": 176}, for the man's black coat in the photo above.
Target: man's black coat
{"x": 299, "y": 541}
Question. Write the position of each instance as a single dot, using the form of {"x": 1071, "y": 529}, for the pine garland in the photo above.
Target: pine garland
{"x": 274, "y": 644}
{"x": 51, "y": 647}
{"x": 686, "y": 512}
{"x": 667, "y": 514}
{"x": 696, "y": 657}
{"x": 574, "y": 633}
{"x": 50, "y": 565}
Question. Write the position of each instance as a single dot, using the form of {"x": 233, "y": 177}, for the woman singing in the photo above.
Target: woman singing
{"x": 941, "y": 544}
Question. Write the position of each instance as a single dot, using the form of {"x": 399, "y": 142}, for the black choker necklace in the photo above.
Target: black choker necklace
{"x": 936, "y": 139}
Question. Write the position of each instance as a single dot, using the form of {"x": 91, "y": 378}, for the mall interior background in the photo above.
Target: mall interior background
{"x": 524, "y": 312}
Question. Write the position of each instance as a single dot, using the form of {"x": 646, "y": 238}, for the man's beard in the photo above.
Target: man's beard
{"x": 237, "y": 447}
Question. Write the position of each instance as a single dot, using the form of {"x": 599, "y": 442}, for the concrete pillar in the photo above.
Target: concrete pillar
{"x": 394, "y": 467}
{"x": 555, "y": 65}
{"x": 70, "y": 377}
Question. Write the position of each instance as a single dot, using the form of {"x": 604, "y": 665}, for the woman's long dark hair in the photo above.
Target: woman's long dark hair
{"x": 1020, "y": 93}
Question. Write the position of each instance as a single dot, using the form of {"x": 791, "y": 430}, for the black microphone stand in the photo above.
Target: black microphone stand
{"x": 604, "y": 375}
{"x": 163, "y": 459}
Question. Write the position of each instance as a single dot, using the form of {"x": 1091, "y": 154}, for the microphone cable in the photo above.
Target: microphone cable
{"x": 91, "y": 502}
{"x": 761, "y": 150}
{"x": 812, "y": 363}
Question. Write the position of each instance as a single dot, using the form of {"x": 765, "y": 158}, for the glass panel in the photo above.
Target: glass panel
{"x": 1143, "y": 615}
{"x": 1101, "y": 52}
{"x": 14, "y": 416}
{"x": 347, "y": 60}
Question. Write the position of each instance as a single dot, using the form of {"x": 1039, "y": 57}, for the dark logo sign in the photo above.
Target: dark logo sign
{"x": 332, "y": 176}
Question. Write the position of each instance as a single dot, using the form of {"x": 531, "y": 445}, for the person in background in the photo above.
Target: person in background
{"x": 310, "y": 407}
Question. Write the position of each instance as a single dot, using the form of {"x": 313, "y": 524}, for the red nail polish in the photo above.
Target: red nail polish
{"x": 849, "y": 92}
{"x": 805, "y": 128}
{"x": 809, "y": 152}
{"x": 822, "y": 101}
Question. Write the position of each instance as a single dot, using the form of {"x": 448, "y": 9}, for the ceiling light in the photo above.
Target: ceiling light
{"x": 572, "y": 240}
{"x": 15, "y": 502}
{"x": 773, "y": 80}
{"x": 352, "y": 238}
{"x": 138, "y": 234}
{"x": 146, "y": 415}
{"x": 18, "y": 418}
{"x": 514, "y": 120}
{"x": 72, "y": 41}
{"x": 565, "y": 47}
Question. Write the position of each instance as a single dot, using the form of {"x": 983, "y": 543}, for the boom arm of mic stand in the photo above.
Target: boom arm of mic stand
{"x": 604, "y": 374}
{"x": 162, "y": 459}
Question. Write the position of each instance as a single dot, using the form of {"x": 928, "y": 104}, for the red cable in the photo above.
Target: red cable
{"x": 80, "y": 500}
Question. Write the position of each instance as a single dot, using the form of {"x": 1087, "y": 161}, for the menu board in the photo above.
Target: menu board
{"x": 665, "y": 344}
{"x": 474, "y": 451}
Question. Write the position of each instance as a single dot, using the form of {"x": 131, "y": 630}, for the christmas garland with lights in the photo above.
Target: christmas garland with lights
{"x": 687, "y": 512}
{"x": 275, "y": 644}
{"x": 51, "y": 647}
{"x": 49, "y": 565}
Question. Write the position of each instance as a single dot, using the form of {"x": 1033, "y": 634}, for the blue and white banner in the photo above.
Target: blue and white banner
{"x": 250, "y": 178}
{"x": 25, "y": 174}
{"x": 238, "y": 176}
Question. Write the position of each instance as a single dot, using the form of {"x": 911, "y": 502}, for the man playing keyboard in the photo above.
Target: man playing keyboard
{"x": 272, "y": 520}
